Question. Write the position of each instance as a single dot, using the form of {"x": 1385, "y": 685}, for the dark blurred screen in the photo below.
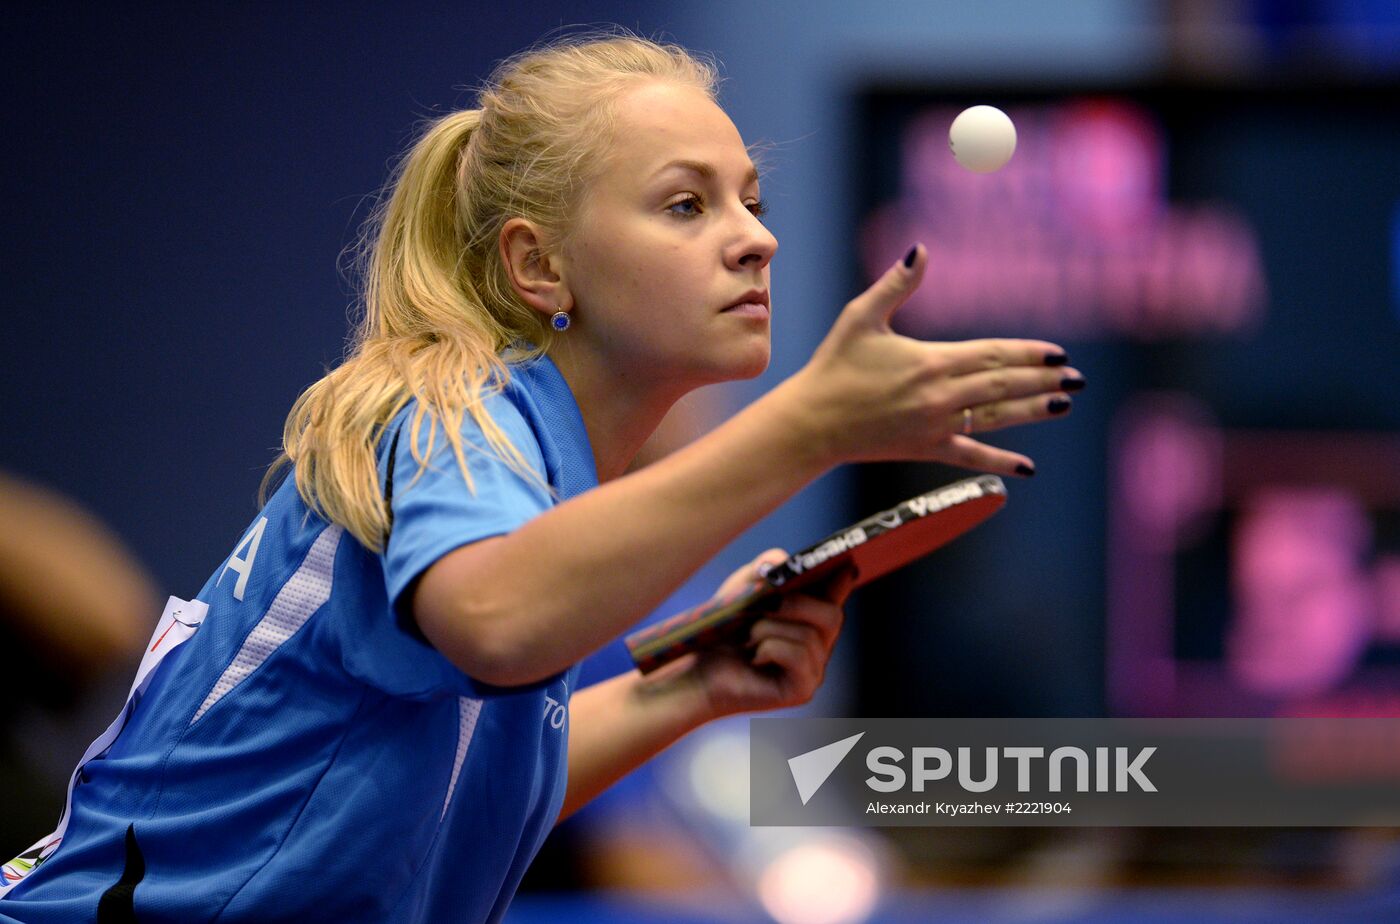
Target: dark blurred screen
{"x": 1214, "y": 530}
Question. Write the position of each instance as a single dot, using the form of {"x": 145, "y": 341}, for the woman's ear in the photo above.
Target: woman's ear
{"x": 535, "y": 273}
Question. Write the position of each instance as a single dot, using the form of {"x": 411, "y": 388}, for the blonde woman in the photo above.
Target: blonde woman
{"x": 372, "y": 715}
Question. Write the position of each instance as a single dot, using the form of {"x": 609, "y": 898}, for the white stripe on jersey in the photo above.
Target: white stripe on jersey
{"x": 303, "y": 594}
{"x": 468, "y": 710}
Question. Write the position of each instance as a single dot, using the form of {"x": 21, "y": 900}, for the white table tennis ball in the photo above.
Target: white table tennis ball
{"x": 982, "y": 138}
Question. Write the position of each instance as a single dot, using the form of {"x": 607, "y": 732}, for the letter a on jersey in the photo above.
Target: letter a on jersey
{"x": 810, "y": 770}
{"x": 244, "y": 565}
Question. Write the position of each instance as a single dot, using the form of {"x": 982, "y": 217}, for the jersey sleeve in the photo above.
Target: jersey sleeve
{"x": 433, "y": 513}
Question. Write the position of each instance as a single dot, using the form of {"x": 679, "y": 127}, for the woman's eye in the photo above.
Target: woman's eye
{"x": 689, "y": 200}
{"x": 692, "y": 206}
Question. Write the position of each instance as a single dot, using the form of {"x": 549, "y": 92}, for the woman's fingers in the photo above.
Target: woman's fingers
{"x": 966, "y": 452}
{"x": 1001, "y": 414}
{"x": 837, "y": 588}
{"x": 876, "y": 305}
{"x": 747, "y": 575}
{"x": 977, "y": 388}
{"x": 801, "y": 619}
{"x": 870, "y": 394}
{"x": 967, "y": 356}
{"x": 804, "y": 663}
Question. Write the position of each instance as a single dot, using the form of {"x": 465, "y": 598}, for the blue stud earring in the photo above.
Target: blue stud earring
{"x": 560, "y": 320}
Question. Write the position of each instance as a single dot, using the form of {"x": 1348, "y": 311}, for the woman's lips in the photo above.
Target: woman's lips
{"x": 748, "y": 310}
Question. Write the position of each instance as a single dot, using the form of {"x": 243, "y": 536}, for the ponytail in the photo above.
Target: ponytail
{"x": 441, "y": 321}
{"x": 424, "y": 335}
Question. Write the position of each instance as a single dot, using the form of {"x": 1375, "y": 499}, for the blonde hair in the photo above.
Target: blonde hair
{"x": 440, "y": 318}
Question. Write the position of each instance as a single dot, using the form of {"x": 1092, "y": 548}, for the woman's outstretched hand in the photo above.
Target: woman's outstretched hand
{"x": 871, "y": 394}
{"x": 784, "y": 659}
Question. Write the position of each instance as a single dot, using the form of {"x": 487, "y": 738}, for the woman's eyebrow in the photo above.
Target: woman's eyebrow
{"x": 706, "y": 170}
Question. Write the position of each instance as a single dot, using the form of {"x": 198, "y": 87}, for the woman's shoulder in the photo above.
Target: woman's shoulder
{"x": 504, "y": 408}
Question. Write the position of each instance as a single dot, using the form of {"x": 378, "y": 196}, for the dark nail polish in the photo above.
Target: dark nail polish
{"x": 1057, "y": 405}
{"x": 909, "y": 257}
{"x": 1024, "y": 470}
{"x": 1056, "y": 359}
{"x": 1072, "y": 384}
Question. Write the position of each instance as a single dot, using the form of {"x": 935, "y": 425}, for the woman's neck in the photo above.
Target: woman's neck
{"x": 620, "y": 411}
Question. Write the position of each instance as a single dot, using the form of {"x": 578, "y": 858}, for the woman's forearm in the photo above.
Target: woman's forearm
{"x": 619, "y": 724}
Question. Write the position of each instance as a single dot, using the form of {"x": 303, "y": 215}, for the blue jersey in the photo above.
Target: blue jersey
{"x": 306, "y": 755}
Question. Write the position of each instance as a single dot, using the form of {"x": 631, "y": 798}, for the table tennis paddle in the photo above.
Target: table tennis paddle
{"x": 873, "y": 547}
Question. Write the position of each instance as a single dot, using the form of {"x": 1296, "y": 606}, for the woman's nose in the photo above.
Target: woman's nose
{"x": 755, "y": 246}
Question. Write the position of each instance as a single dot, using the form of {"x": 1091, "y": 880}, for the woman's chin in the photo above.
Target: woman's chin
{"x": 747, "y": 361}
{"x": 746, "y": 358}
